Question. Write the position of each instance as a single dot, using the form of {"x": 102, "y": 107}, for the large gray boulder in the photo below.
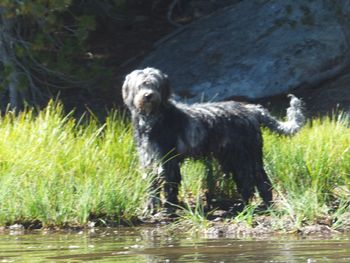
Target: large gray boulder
{"x": 256, "y": 48}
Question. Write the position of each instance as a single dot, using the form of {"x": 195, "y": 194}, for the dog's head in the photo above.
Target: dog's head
{"x": 146, "y": 90}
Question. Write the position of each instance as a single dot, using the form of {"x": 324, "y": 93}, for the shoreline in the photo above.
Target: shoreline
{"x": 262, "y": 226}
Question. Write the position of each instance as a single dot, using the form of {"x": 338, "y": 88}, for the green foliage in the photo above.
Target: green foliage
{"x": 310, "y": 171}
{"x": 57, "y": 171}
{"x": 51, "y": 43}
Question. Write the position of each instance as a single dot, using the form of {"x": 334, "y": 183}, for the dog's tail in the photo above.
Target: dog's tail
{"x": 295, "y": 118}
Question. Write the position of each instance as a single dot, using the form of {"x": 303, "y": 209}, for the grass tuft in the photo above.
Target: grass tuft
{"x": 57, "y": 171}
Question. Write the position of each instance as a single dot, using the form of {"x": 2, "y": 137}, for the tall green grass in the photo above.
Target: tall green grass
{"x": 311, "y": 171}
{"x": 60, "y": 171}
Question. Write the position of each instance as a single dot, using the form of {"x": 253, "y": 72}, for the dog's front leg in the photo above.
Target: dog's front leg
{"x": 153, "y": 173}
{"x": 172, "y": 177}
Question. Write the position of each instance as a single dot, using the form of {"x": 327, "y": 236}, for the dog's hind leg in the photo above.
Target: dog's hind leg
{"x": 264, "y": 186}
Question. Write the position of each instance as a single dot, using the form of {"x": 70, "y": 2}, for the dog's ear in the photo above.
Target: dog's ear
{"x": 165, "y": 87}
{"x": 126, "y": 92}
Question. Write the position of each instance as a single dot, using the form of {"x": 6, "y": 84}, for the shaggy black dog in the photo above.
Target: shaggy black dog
{"x": 166, "y": 132}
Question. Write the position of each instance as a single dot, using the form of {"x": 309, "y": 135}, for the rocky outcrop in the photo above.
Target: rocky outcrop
{"x": 256, "y": 48}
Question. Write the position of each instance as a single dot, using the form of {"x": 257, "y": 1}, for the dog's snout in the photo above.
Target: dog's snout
{"x": 148, "y": 95}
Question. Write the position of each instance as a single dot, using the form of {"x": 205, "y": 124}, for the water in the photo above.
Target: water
{"x": 146, "y": 245}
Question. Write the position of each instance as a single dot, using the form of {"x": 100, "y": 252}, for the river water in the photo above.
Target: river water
{"x": 147, "y": 245}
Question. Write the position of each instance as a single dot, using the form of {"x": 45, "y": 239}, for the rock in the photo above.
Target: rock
{"x": 256, "y": 48}
{"x": 16, "y": 227}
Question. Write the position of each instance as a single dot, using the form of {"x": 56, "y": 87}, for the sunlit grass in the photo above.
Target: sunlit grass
{"x": 60, "y": 171}
{"x": 310, "y": 171}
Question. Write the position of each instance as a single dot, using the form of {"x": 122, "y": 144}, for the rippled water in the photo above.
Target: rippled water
{"x": 146, "y": 245}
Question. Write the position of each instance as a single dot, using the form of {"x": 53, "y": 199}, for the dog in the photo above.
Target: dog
{"x": 166, "y": 132}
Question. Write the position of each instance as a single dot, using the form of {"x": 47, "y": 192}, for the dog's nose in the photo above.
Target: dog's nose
{"x": 148, "y": 96}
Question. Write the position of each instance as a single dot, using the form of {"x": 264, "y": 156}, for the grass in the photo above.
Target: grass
{"x": 311, "y": 171}
{"x": 60, "y": 171}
